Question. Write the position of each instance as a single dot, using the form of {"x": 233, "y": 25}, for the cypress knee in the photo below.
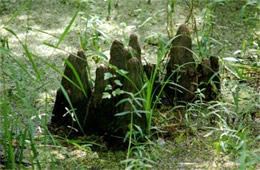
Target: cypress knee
{"x": 181, "y": 68}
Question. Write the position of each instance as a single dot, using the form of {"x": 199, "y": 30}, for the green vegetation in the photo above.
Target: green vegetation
{"x": 37, "y": 37}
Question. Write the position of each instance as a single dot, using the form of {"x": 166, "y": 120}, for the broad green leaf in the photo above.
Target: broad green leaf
{"x": 106, "y": 95}
{"x": 107, "y": 76}
{"x": 118, "y": 82}
{"x": 108, "y": 87}
{"x": 139, "y": 130}
{"x": 122, "y": 72}
{"x": 117, "y": 92}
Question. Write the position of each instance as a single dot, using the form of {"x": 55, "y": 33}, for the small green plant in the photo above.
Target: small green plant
{"x": 140, "y": 158}
{"x": 109, "y": 92}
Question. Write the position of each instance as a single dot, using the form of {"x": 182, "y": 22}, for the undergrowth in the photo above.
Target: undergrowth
{"x": 229, "y": 125}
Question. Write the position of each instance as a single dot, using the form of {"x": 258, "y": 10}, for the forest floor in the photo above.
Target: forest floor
{"x": 183, "y": 148}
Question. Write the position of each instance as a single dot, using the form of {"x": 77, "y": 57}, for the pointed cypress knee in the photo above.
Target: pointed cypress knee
{"x": 181, "y": 68}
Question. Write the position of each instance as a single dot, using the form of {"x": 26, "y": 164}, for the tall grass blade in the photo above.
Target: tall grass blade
{"x": 22, "y": 142}
{"x": 17, "y": 12}
{"x": 58, "y": 71}
{"x": 4, "y": 51}
{"x": 29, "y": 55}
{"x": 65, "y": 32}
{"x": 8, "y": 147}
{"x": 27, "y": 52}
{"x": 33, "y": 147}
{"x": 76, "y": 75}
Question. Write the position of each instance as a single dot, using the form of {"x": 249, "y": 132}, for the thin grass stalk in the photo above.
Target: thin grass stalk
{"x": 22, "y": 146}
{"x": 9, "y": 153}
{"x": 7, "y": 143}
{"x": 170, "y": 12}
{"x": 67, "y": 29}
{"x": 109, "y": 2}
{"x": 33, "y": 146}
{"x": 130, "y": 135}
{"x": 150, "y": 86}
{"x": 27, "y": 20}
{"x": 16, "y": 13}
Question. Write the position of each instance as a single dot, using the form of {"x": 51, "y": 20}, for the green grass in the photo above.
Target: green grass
{"x": 207, "y": 134}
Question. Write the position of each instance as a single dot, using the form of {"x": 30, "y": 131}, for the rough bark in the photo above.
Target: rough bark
{"x": 118, "y": 55}
{"x": 96, "y": 115}
{"x": 78, "y": 93}
{"x": 128, "y": 59}
{"x": 136, "y": 75}
{"x": 208, "y": 78}
{"x": 181, "y": 67}
{"x": 149, "y": 69}
{"x": 133, "y": 43}
{"x": 100, "y": 84}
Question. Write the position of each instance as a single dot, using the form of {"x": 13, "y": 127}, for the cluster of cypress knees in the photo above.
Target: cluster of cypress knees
{"x": 96, "y": 115}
